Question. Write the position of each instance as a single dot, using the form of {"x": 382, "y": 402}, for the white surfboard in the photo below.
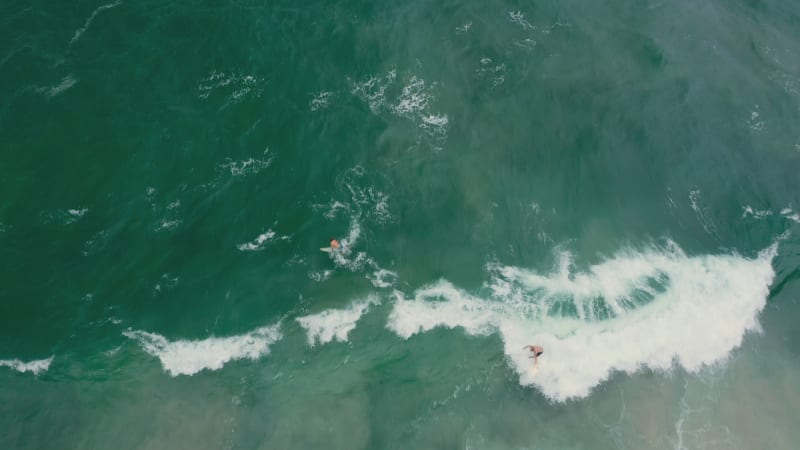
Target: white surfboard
{"x": 534, "y": 370}
{"x": 326, "y": 249}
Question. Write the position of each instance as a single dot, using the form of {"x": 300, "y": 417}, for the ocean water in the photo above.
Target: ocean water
{"x": 617, "y": 181}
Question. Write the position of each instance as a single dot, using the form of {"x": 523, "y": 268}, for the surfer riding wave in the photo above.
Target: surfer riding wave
{"x": 537, "y": 351}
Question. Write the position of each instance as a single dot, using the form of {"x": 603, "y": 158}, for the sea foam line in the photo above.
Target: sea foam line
{"x": 699, "y": 310}
{"x": 184, "y": 357}
{"x": 65, "y": 83}
{"x": 88, "y": 22}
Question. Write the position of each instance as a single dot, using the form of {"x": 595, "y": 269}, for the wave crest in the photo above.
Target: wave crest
{"x": 36, "y": 367}
{"x": 183, "y": 357}
{"x": 700, "y": 309}
{"x": 335, "y": 324}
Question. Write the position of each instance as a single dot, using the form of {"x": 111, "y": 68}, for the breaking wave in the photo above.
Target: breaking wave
{"x": 183, "y": 357}
{"x": 636, "y": 310}
{"x": 334, "y": 324}
{"x": 36, "y": 367}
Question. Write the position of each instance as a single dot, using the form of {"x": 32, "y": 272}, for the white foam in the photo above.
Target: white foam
{"x": 80, "y": 31}
{"x": 248, "y": 84}
{"x": 335, "y": 206}
{"x": 168, "y": 225}
{"x": 702, "y": 213}
{"x": 755, "y": 213}
{"x": 382, "y": 278}
{"x": 167, "y": 282}
{"x": 381, "y": 211}
{"x": 335, "y": 324}
{"x": 331, "y": 209}
{"x": 364, "y": 201}
{"x": 412, "y": 103}
{"x": 791, "y": 215}
{"x": 66, "y": 83}
{"x": 346, "y": 257}
{"x": 519, "y": 18}
{"x": 497, "y": 72}
{"x": 97, "y": 242}
{"x": 36, "y": 367}
{"x": 320, "y": 276}
{"x": 257, "y": 243}
{"x": 639, "y": 309}
{"x": 787, "y": 213}
{"x": 67, "y": 217}
{"x": 756, "y": 123}
{"x": 373, "y": 90}
{"x": 527, "y": 43}
{"x": 435, "y": 124}
{"x": 236, "y": 85}
{"x": 413, "y": 99}
{"x": 320, "y": 100}
{"x": 184, "y": 357}
{"x": 250, "y": 166}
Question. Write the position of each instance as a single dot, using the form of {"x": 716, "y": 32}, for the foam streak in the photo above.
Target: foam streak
{"x": 88, "y": 22}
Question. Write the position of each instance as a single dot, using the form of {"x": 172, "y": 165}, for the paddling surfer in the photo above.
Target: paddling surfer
{"x": 335, "y": 244}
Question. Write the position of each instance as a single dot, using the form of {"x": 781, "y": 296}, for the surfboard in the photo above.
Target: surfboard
{"x": 534, "y": 370}
{"x": 326, "y": 249}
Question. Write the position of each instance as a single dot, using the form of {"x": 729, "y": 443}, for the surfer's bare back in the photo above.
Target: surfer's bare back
{"x": 537, "y": 350}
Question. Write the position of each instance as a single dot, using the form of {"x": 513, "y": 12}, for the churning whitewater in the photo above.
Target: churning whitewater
{"x": 637, "y": 310}
{"x": 185, "y": 357}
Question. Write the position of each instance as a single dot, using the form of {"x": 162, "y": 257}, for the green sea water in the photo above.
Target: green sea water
{"x": 616, "y": 181}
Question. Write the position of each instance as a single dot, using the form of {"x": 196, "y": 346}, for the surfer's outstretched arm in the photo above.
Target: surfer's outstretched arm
{"x": 535, "y": 349}
{"x": 531, "y": 349}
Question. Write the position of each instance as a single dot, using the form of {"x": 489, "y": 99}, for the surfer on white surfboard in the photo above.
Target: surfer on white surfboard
{"x": 536, "y": 350}
{"x": 335, "y": 247}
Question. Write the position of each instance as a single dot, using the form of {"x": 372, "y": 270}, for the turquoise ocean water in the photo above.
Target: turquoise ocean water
{"x": 617, "y": 181}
